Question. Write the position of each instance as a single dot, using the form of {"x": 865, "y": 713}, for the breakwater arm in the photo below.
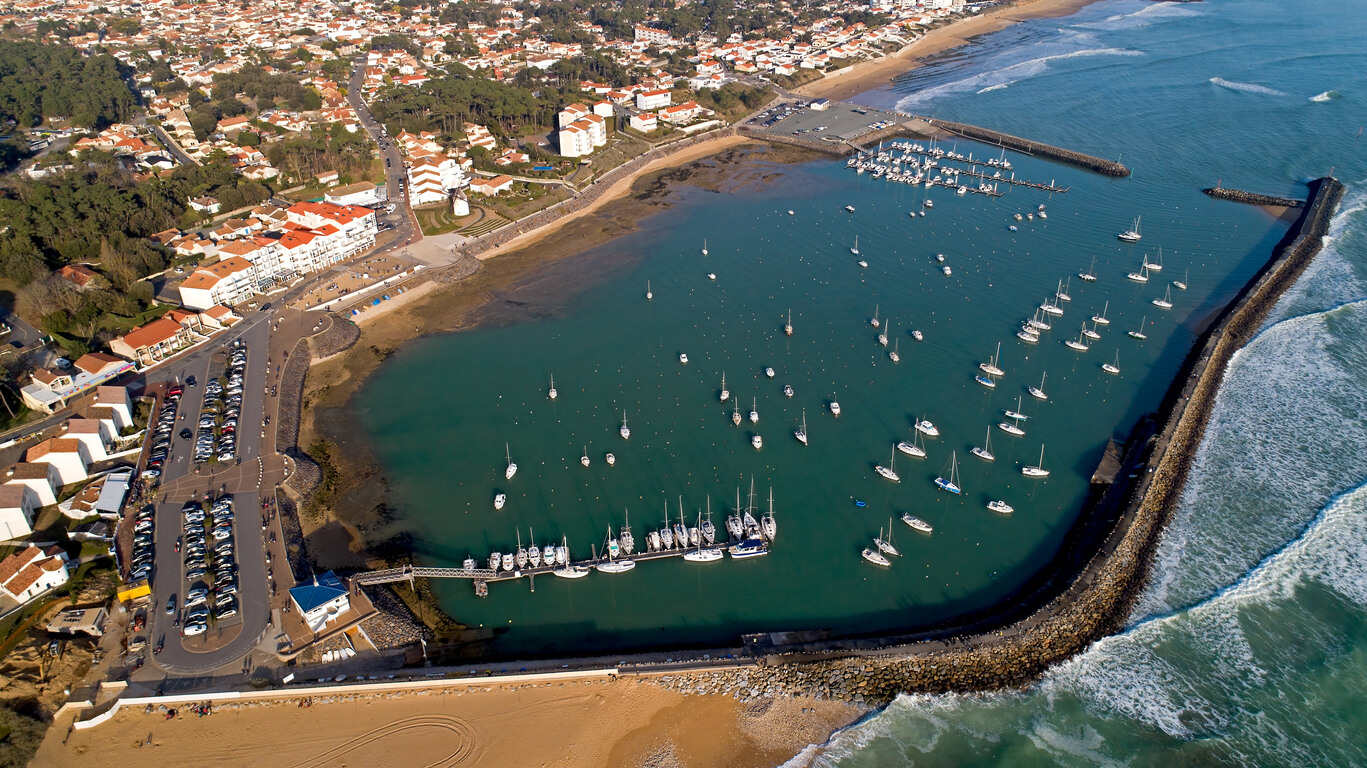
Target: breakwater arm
{"x": 1252, "y": 198}
{"x": 1101, "y": 166}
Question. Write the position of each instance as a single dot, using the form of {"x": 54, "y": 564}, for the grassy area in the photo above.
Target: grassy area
{"x": 800, "y": 77}
{"x": 120, "y": 324}
{"x": 440, "y": 219}
{"x": 532, "y": 198}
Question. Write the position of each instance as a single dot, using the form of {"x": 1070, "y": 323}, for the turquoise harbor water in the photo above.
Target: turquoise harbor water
{"x": 1248, "y": 649}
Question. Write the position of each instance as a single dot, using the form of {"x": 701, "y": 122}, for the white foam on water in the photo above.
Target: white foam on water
{"x": 1149, "y": 14}
{"x": 1332, "y": 278}
{"x": 997, "y": 87}
{"x": 1008, "y": 75}
{"x": 1325, "y": 97}
{"x": 1084, "y": 745}
{"x": 1261, "y": 90}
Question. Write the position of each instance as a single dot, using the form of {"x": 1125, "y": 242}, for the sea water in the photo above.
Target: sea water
{"x": 1250, "y": 645}
{"x": 1118, "y": 80}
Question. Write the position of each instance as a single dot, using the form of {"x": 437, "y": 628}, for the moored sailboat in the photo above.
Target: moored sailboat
{"x": 951, "y": 483}
{"x": 1036, "y": 470}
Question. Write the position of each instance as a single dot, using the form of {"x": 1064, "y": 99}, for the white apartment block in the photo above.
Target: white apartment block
{"x": 432, "y": 179}
{"x": 583, "y": 136}
{"x": 648, "y": 100}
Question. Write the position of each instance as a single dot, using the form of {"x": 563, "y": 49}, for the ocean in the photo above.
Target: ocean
{"x": 1250, "y": 646}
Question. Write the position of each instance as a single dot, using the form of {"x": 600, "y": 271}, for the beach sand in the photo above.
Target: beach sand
{"x": 614, "y": 724}
{"x": 869, "y": 75}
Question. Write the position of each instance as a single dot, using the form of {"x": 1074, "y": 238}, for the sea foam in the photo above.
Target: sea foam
{"x": 1261, "y": 90}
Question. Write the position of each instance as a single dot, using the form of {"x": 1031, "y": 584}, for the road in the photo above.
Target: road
{"x": 407, "y": 228}
{"x": 171, "y": 145}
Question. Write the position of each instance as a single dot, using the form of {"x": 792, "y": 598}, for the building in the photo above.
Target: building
{"x": 571, "y": 113}
{"x": 360, "y": 193}
{"x": 94, "y": 434}
{"x": 322, "y": 601}
{"x": 651, "y": 36}
{"x": 68, "y": 455}
{"x": 116, "y": 399}
{"x": 40, "y": 477}
{"x": 680, "y": 113}
{"x": 645, "y": 122}
{"x": 583, "y": 136}
{"x": 159, "y": 339}
{"x": 433, "y": 178}
{"x": 27, "y": 574}
{"x": 18, "y": 504}
{"x": 79, "y": 621}
{"x": 496, "y": 185}
{"x": 646, "y": 100}
{"x": 51, "y": 389}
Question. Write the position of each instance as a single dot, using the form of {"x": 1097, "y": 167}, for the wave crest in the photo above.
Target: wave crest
{"x": 1261, "y": 90}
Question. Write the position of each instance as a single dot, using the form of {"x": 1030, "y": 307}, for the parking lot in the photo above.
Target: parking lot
{"x": 209, "y": 581}
{"x": 838, "y": 122}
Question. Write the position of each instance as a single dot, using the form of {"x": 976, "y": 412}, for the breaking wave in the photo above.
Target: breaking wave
{"x": 1326, "y": 96}
{"x": 1001, "y": 78}
{"x": 1261, "y": 90}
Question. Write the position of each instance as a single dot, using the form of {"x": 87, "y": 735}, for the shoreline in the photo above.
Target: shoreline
{"x": 878, "y": 73}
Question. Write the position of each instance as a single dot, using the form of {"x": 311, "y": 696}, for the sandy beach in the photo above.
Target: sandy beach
{"x": 877, "y": 73}
{"x": 619, "y": 723}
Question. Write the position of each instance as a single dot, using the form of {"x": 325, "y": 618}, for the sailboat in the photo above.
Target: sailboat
{"x": 1013, "y": 427}
{"x": 893, "y": 356}
{"x": 610, "y": 459}
{"x": 1131, "y": 235}
{"x": 1090, "y": 333}
{"x": 913, "y": 448}
{"x": 875, "y": 557}
{"x": 734, "y": 528}
{"x": 1159, "y": 266}
{"x": 624, "y": 431}
{"x": 709, "y": 531}
{"x": 855, "y": 250}
{"x": 767, "y": 524}
{"x": 1079, "y": 344}
{"x": 991, "y": 368}
{"x": 883, "y": 335}
{"x": 1142, "y": 276}
{"x": 801, "y": 433}
{"x": 1038, "y": 470}
{"x": 950, "y": 484}
{"x": 1090, "y": 274}
{"x": 985, "y": 453}
{"x": 552, "y": 394}
{"x": 521, "y": 557}
{"x": 1050, "y": 308}
{"x": 704, "y": 246}
{"x": 612, "y": 564}
{"x": 625, "y": 539}
{"x": 649, "y": 294}
{"x": 1139, "y": 334}
{"x": 566, "y": 570}
{"x": 1038, "y": 392}
{"x": 754, "y": 410}
{"x": 585, "y": 458}
{"x": 725, "y": 393}
{"x": 1016, "y": 414}
{"x": 788, "y": 326}
{"x": 1062, "y": 292}
{"x": 890, "y": 471}
{"x": 1166, "y": 301}
{"x": 534, "y": 552}
{"x": 512, "y": 468}
{"x": 735, "y": 413}
{"x": 1101, "y": 319}
{"x": 885, "y": 545}
{"x": 874, "y": 321}
{"x": 700, "y": 555}
{"x": 985, "y": 381}
{"x": 1113, "y": 368}
{"x": 1181, "y": 285}
{"x": 916, "y": 523}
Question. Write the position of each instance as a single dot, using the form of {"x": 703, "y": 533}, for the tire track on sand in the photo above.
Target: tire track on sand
{"x": 462, "y": 731}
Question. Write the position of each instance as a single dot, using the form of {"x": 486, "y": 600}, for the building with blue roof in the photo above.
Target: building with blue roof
{"x": 321, "y": 601}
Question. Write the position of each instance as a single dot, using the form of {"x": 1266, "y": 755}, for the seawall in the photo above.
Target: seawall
{"x": 1252, "y": 198}
{"x": 1098, "y": 600}
{"x": 1100, "y": 165}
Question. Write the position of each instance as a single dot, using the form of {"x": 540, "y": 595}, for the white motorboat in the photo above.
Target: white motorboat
{"x": 757, "y": 441}
{"x": 917, "y": 335}
{"x": 788, "y": 390}
{"x": 1037, "y": 470}
{"x": 552, "y": 394}
{"x": 985, "y": 452}
{"x": 1112, "y": 368}
{"x": 725, "y": 393}
{"x": 495, "y": 560}
{"x": 754, "y": 411}
{"x": 748, "y": 548}
{"x": 835, "y": 406}
{"x": 1101, "y": 318}
{"x": 1000, "y": 507}
{"x": 790, "y": 211}
{"x": 499, "y": 500}
{"x": 512, "y": 468}
{"x": 769, "y": 372}
{"x": 991, "y": 368}
{"x": 926, "y": 428}
{"x": 863, "y": 264}
{"x": 610, "y": 459}
{"x": 890, "y": 471}
{"x": 788, "y": 326}
{"x": 1166, "y": 301}
{"x": 940, "y": 257}
{"x": 801, "y": 433}
{"x": 916, "y": 523}
{"x": 886, "y": 546}
{"x": 1139, "y": 334}
{"x": 875, "y": 557}
{"x": 683, "y": 358}
{"x": 850, "y": 208}
{"x": 1131, "y": 235}
{"x": 950, "y": 484}
{"x": 945, "y": 269}
{"x": 1038, "y": 392}
{"x": 711, "y": 275}
{"x": 624, "y": 430}
{"x": 1018, "y": 217}
{"x": 649, "y": 294}
{"x": 508, "y": 562}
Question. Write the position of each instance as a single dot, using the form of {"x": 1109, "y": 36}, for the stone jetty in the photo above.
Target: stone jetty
{"x": 1252, "y": 198}
{"x": 989, "y": 136}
